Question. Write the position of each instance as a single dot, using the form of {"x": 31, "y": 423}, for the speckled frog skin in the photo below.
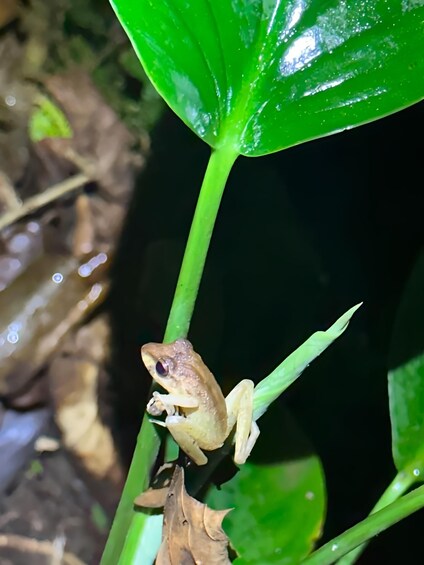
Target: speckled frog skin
{"x": 197, "y": 414}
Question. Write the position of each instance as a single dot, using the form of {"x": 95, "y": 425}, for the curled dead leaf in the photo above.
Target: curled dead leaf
{"x": 192, "y": 532}
{"x": 155, "y": 495}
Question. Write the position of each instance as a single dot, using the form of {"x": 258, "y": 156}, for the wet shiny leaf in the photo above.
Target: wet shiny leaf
{"x": 262, "y": 75}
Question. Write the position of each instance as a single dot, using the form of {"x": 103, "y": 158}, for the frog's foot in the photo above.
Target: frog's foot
{"x": 175, "y": 424}
{"x": 155, "y": 407}
{"x": 160, "y": 403}
{"x": 242, "y": 453}
{"x": 240, "y": 414}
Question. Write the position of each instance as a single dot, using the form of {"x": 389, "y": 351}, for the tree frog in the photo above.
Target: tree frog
{"x": 198, "y": 415}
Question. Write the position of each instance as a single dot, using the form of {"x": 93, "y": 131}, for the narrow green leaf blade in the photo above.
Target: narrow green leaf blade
{"x": 279, "y": 507}
{"x": 406, "y": 378}
{"x": 292, "y": 367}
{"x": 372, "y": 526}
{"x": 263, "y": 75}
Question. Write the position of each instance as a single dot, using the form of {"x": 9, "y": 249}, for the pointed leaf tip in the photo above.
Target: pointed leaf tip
{"x": 272, "y": 386}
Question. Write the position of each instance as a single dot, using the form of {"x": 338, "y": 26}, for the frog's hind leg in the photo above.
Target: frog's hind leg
{"x": 185, "y": 440}
{"x": 240, "y": 413}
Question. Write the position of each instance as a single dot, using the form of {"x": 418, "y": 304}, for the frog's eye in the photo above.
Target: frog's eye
{"x": 162, "y": 368}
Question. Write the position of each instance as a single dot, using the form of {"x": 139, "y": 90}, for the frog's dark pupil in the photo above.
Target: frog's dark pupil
{"x": 161, "y": 369}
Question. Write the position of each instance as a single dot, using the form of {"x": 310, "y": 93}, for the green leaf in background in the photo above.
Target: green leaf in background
{"x": 279, "y": 506}
{"x": 262, "y": 75}
{"x": 406, "y": 379}
{"x": 47, "y": 120}
{"x": 406, "y": 390}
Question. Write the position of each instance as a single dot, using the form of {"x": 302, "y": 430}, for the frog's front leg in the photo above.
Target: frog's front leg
{"x": 177, "y": 425}
{"x": 168, "y": 403}
{"x": 239, "y": 404}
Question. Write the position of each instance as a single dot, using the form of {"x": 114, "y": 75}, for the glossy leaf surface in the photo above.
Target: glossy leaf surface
{"x": 262, "y": 75}
{"x": 279, "y": 506}
{"x": 406, "y": 379}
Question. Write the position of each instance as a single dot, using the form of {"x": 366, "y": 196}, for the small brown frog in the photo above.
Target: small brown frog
{"x": 198, "y": 415}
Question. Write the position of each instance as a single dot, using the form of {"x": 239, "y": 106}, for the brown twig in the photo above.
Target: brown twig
{"x": 39, "y": 200}
{"x": 31, "y": 545}
{"x": 7, "y": 193}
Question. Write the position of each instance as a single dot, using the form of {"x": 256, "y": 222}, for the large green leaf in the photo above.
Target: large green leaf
{"x": 279, "y": 506}
{"x": 262, "y": 75}
{"x": 406, "y": 379}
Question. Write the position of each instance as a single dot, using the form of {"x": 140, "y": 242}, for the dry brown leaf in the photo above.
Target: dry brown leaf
{"x": 16, "y": 97}
{"x": 75, "y": 378}
{"x": 8, "y": 11}
{"x": 192, "y": 533}
{"x": 152, "y": 498}
{"x": 155, "y": 496}
{"x": 100, "y": 140}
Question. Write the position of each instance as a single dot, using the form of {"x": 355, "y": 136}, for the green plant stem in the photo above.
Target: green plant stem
{"x": 134, "y": 536}
{"x": 219, "y": 167}
{"x": 400, "y": 484}
{"x": 368, "y": 528}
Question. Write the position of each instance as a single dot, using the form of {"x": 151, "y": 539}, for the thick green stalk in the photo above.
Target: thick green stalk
{"x": 134, "y": 536}
{"x": 219, "y": 167}
{"x": 368, "y": 528}
{"x": 400, "y": 484}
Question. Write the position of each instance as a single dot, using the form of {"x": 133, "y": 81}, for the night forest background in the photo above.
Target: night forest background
{"x": 302, "y": 236}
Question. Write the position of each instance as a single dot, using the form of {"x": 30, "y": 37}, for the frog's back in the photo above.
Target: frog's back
{"x": 208, "y": 422}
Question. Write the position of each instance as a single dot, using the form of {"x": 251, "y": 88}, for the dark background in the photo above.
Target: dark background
{"x": 302, "y": 236}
